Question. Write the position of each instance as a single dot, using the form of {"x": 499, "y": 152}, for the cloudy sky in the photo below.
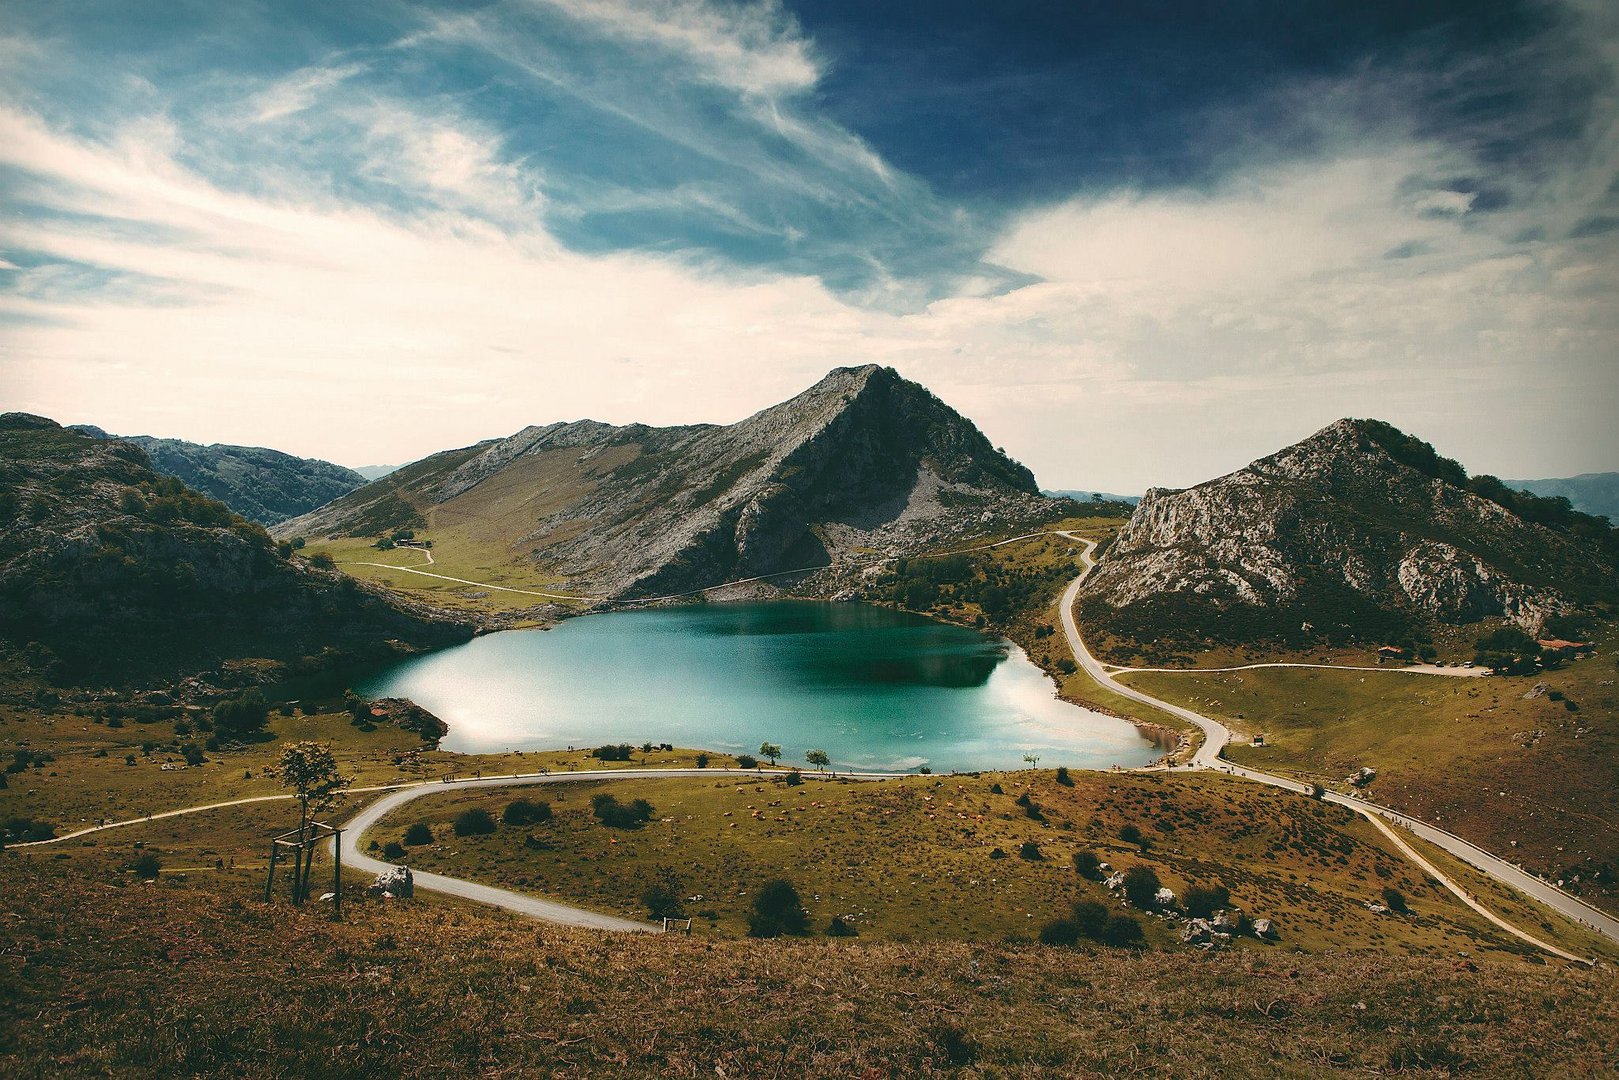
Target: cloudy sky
{"x": 1138, "y": 243}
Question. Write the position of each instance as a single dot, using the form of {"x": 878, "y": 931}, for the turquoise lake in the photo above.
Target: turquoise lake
{"x": 874, "y": 688}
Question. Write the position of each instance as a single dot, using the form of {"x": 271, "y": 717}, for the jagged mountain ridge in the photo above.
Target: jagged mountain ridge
{"x": 263, "y": 485}
{"x": 118, "y": 572}
{"x": 1357, "y": 531}
{"x": 862, "y": 459}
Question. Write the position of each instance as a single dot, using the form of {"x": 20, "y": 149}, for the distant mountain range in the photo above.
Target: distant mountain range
{"x": 1590, "y": 493}
{"x": 1359, "y": 532}
{"x": 374, "y": 472}
{"x": 262, "y": 485}
{"x": 112, "y": 570}
{"x": 863, "y": 461}
{"x": 1088, "y": 496}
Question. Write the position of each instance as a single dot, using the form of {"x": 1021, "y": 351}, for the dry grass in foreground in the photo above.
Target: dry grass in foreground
{"x": 194, "y": 977}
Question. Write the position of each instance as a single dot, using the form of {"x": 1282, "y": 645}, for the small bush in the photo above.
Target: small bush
{"x": 1122, "y": 932}
{"x": 747, "y": 761}
{"x": 662, "y": 901}
{"x": 794, "y": 779}
{"x": 619, "y": 752}
{"x": 1394, "y": 900}
{"x": 418, "y": 834}
{"x": 1130, "y": 834}
{"x": 1030, "y": 851}
{"x": 616, "y": 815}
{"x": 393, "y": 850}
{"x": 1091, "y": 918}
{"x": 995, "y": 789}
{"x": 958, "y": 1048}
{"x": 1063, "y": 778}
{"x": 1060, "y": 932}
{"x": 1141, "y": 886}
{"x": 1201, "y": 901}
{"x": 841, "y": 927}
{"x": 474, "y": 822}
{"x": 702, "y": 761}
{"x": 777, "y": 910}
{"x": 147, "y": 867}
{"x": 1087, "y": 864}
{"x": 997, "y": 854}
{"x": 526, "y": 812}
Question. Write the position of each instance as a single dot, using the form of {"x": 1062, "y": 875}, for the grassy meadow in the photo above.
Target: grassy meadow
{"x": 942, "y": 857}
{"x": 1520, "y": 765}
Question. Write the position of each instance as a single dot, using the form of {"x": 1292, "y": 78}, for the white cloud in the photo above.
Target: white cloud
{"x": 296, "y": 92}
{"x": 754, "y": 48}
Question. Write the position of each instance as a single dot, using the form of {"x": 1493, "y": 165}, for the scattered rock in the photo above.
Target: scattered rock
{"x": 395, "y": 883}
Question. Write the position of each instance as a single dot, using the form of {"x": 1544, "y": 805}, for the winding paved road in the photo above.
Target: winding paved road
{"x": 1216, "y": 735}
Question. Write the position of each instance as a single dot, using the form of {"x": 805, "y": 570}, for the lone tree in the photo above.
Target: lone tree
{"x": 311, "y": 771}
{"x": 818, "y": 758}
{"x": 770, "y": 750}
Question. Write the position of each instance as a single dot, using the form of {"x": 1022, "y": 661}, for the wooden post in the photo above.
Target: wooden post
{"x": 337, "y": 874}
{"x": 270, "y": 880}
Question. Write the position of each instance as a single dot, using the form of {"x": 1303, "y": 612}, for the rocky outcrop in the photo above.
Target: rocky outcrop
{"x": 1357, "y": 530}
{"x": 862, "y": 460}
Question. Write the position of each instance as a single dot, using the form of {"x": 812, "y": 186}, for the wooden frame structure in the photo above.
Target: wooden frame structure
{"x": 301, "y": 843}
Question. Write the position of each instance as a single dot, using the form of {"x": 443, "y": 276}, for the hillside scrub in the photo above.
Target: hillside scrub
{"x": 519, "y": 997}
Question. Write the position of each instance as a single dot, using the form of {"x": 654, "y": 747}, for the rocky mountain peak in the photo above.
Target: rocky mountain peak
{"x": 1357, "y": 530}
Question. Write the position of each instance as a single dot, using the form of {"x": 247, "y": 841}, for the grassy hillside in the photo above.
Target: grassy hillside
{"x": 194, "y": 976}
{"x": 925, "y": 858}
{"x": 1512, "y": 767}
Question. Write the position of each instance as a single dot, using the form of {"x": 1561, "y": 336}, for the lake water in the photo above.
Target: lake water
{"x": 874, "y": 688}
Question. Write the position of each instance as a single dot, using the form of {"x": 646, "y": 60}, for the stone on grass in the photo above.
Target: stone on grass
{"x": 395, "y": 883}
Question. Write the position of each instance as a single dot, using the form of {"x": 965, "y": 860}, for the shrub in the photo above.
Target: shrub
{"x": 841, "y": 927}
{"x": 1141, "y": 886}
{"x": 1130, "y": 834}
{"x": 997, "y": 854}
{"x": 995, "y": 789}
{"x": 247, "y": 713}
{"x": 702, "y": 761}
{"x": 616, "y": 815}
{"x": 1086, "y": 863}
{"x": 1122, "y": 931}
{"x": 747, "y": 761}
{"x": 777, "y": 910}
{"x": 1030, "y": 851}
{"x": 662, "y": 901}
{"x": 418, "y": 834}
{"x": 794, "y": 779}
{"x": 393, "y": 850}
{"x": 526, "y": 812}
{"x": 618, "y": 752}
{"x": 1201, "y": 901}
{"x": 1063, "y": 778}
{"x": 1060, "y": 932}
{"x": 1091, "y": 918}
{"x": 474, "y": 822}
{"x": 1395, "y": 900}
{"x": 23, "y": 830}
{"x": 147, "y": 867}
{"x": 956, "y": 1046}
{"x": 193, "y": 754}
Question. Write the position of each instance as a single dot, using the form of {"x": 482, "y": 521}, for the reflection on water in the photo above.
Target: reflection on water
{"x": 874, "y": 688}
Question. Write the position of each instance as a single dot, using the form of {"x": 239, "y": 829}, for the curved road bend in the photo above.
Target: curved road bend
{"x": 547, "y": 910}
{"x": 1216, "y": 735}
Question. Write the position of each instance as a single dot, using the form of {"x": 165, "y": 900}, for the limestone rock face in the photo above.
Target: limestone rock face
{"x": 863, "y": 460}
{"x": 1348, "y": 529}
